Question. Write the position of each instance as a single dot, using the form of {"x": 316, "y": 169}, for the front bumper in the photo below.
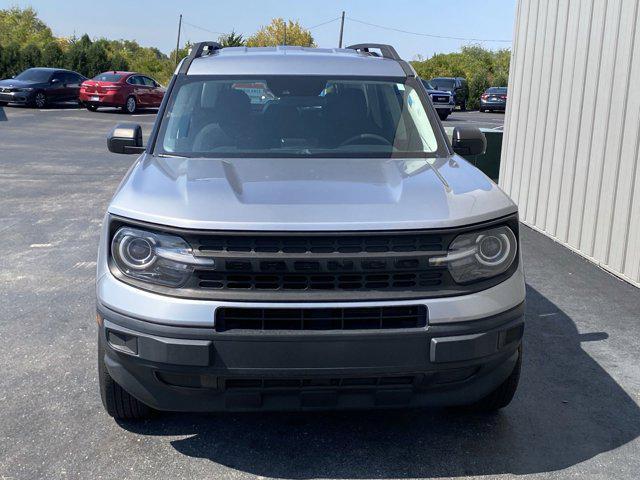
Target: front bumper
{"x": 163, "y": 309}
{"x": 16, "y": 97}
{"x": 198, "y": 369}
{"x": 444, "y": 106}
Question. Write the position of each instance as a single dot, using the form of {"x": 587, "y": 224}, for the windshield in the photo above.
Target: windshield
{"x": 295, "y": 116}
{"x": 443, "y": 83}
{"x": 107, "y": 77}
{"x": 34, "y": 75}
{"x": 501, "y": 90}
{"x": 428, "y": 85}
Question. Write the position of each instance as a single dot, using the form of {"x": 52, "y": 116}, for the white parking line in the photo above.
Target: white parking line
{"x": 59, "y": 109}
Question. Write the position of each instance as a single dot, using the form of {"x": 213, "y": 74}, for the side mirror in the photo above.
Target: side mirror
{"x": 55, "y": 80}
{"x": 125, "y": 138}
{"x": 468, "y": 140}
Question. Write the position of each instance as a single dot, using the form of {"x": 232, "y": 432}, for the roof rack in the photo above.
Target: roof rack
{"x": 387, "y": 50}
{"x": 198, "y": 50}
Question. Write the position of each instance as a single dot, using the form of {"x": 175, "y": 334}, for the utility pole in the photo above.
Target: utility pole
{"x": 341, "y": 30}
{"x": 285, "y": 32}
{"x": 178, "y": 42}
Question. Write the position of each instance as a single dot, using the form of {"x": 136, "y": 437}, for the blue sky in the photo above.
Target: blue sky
{"x": 154, "y": 22}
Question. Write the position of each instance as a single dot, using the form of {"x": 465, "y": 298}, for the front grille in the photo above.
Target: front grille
{"x": 369, "y": 318}
{"x": 319, "y": 244}
{"x": 317, "y": 263}
{"x": 326, "y": 281}
{"x": 440, "y": 99}
{"x": 318, "y": 266}
{"x": 338, "y": 383}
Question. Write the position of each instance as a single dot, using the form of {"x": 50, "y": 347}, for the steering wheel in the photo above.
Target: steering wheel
{"x": 366, "y": 136}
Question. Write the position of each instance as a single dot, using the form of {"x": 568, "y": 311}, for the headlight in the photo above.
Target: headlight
{"x": 479, "y": 255}
{"x": 153, "y": 257}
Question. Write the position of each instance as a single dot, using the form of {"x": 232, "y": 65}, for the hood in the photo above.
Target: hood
{"x": 12, "y": 82}
{"x": 308, "y": 194}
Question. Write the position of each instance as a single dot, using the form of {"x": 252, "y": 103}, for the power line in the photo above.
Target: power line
{"x": 324, "y": 23}
{"x": 202, "y": 28}
{"x": 428, "y": 34}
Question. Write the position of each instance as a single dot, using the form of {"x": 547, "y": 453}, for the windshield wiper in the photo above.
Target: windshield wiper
{"x": 169, "y": 155}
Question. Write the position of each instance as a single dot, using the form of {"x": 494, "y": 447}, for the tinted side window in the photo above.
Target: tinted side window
{"x": 70, "y": 78}
{"x": 148, "y": 82}
{"x": 135, "y": 80}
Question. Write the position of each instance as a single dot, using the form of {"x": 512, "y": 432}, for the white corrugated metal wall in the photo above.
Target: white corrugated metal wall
{"x": 572, "y": 127}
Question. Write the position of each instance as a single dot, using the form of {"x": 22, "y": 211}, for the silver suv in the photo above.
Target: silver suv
{"x": 300, "y": 234}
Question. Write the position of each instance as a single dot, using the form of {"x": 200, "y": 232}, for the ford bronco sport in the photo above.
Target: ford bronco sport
{"x": 299, "y": 233}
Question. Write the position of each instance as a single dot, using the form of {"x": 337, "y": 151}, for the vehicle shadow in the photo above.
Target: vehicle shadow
{"x": 567, "y": 410}
{"x": 53, "y": 106}
{"x": 139, "y": 111}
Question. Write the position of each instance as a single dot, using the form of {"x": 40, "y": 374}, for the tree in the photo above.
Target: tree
{"x": 279, "y": 32}
{"x": 76, "y": 54}
{"x": 23, "y": 26}
{"x": 232, "y": 39}
{"x": 30, "y": 56}
{"x": 52, "y": 54}
{"x": 10, "y": 62}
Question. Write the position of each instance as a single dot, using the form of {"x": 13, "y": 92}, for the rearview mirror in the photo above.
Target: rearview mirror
{"x": 125, "y": 138}
{"x": 468, "y": 140}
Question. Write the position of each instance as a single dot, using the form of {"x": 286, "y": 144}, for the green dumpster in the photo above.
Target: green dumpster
{"x": 489, "y": 163}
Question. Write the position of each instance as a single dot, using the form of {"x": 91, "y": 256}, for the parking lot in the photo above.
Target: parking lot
{"x": 576, "y": 413}
{"x": 475, "y": 119}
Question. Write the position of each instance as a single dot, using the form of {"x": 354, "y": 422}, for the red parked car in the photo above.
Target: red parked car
{"x": 127, "y": 90}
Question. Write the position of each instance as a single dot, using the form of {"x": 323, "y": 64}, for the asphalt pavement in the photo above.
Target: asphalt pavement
{"x": 494, "y": 120}
{"x": 575, "y": 415}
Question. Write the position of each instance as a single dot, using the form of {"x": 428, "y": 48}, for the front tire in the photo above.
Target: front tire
{"x": 3, "y": 104}
{"x": 443, "y": 115}
{"x": 501, "y": 396}
{"x": 130, "y": 105}
{"x": 92, "y": 108}
{"x": 463, "y": 106}
{"x": 116, "y": 400}
{"x": 40, "y": 100}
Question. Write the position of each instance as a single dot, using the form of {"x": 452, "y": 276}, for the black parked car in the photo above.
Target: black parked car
{"x": 39, "y": 87}
{"x": 456, "y": 86}
{"x": 494, "y": 98}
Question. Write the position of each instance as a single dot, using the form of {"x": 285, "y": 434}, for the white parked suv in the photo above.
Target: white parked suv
{"x": 299, "y": 234}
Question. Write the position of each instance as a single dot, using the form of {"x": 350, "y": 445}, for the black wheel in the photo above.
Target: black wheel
{"x": 117, "y": 402}
{"x": 130, "y": 105}
{"x": 92, "y": 108}
{"x": 443, "y": 115}
{"x": 481, "y": 109}
{"x": 501, "y": 396}
{"x": 40, "y": 100}
{"x": 463, "y": 106}
{"x": 3, "y": 104}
